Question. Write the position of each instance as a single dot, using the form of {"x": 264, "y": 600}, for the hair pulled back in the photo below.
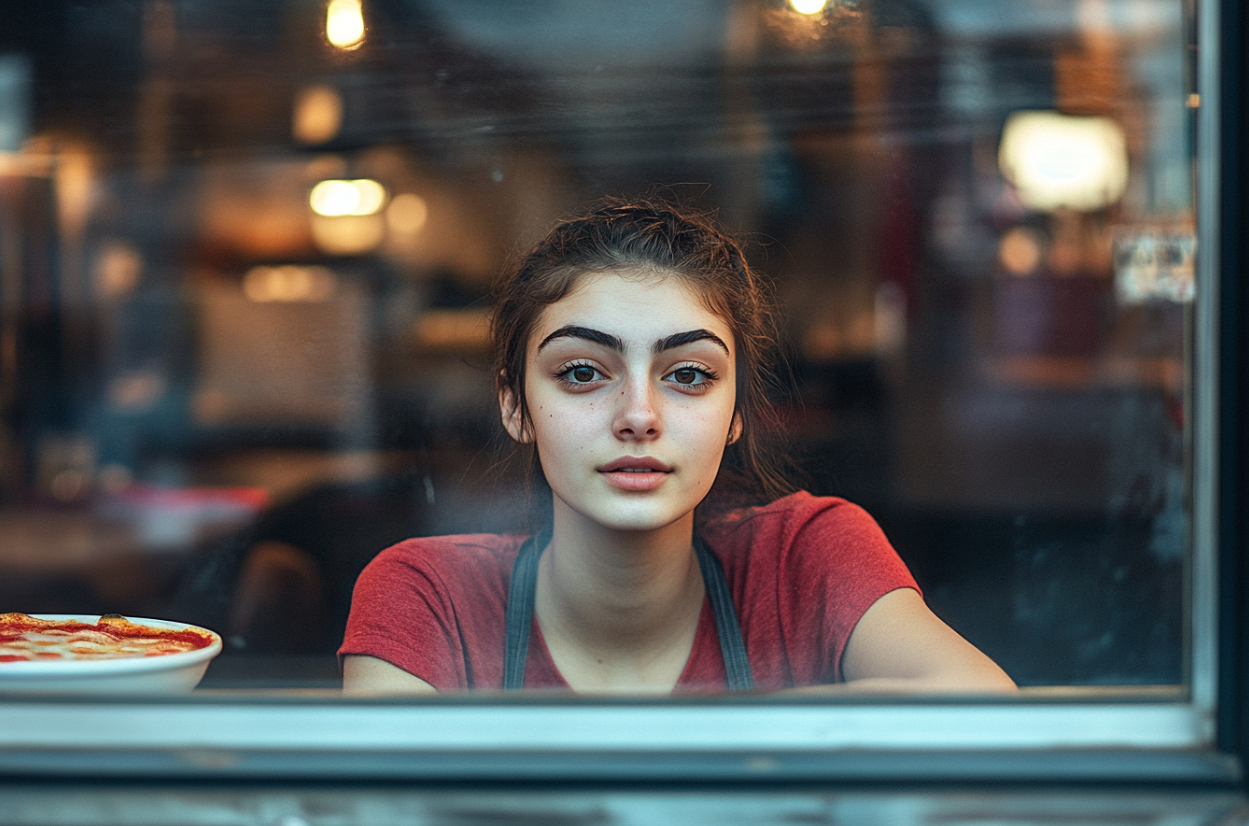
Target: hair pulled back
{"x": 657, "y": 239}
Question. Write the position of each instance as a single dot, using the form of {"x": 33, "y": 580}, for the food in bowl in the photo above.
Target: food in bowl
{"x": 24, "y": 638}
{"x": 70, "y": 652}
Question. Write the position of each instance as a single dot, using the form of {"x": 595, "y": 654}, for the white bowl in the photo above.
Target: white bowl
{"x": 162, "y": 673}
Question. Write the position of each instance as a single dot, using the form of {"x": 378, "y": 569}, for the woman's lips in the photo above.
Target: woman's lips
{"x": 635, "y": 474}
{"x": 635, "y": 480}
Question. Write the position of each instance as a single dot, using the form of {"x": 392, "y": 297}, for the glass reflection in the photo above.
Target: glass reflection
{"x": 217, "y": 404}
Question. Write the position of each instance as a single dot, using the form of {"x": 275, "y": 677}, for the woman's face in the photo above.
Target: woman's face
{"x": 631, "y": 392}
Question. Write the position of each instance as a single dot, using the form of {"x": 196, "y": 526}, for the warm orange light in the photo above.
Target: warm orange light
{"x": 407, "y": 214}
{"x": 344, "y": 23}
{"x": 288, "y": 283}
{"x": 347, "y": 234}
{"x": 1019, "y": 252}
{"x": 118, "y": 268}
{"x": 318, "y": 114}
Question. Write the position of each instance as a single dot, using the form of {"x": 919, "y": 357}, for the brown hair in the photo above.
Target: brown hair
{"x": 659, "y": 238}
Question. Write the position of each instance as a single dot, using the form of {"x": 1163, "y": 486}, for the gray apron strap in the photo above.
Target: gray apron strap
{"x": 519, "y": 616}
{"x": 732, "y": 646}
{"x": 524, "y": 584}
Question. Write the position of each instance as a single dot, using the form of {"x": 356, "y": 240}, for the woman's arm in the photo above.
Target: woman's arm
{"x": 900, "y": 646}
{"x": 369, "y": 675}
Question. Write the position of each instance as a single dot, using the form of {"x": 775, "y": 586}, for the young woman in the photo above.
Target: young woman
{"x": 631, "y": 348}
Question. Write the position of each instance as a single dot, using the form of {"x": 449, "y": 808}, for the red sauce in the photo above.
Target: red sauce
{"x": 14, "y": 626}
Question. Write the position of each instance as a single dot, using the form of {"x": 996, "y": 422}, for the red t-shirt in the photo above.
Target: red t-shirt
{"x": 802, "y": 571}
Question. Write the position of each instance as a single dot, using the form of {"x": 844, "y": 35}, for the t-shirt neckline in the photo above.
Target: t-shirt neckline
{"x": 706, "y": 625}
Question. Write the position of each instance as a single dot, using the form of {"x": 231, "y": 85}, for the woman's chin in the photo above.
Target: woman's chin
{"x": 636, "y": 516}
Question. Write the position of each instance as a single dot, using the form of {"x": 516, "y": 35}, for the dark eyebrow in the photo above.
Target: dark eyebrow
{"x": 614, "y": 343}
{"x": 689, "y": 337}
{"x": 596, "y": 336}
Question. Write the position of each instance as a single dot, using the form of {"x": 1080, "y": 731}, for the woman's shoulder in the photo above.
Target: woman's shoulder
{"x": 432, "y": 604}
{"x": 790, "y": 514}
{"x": 458, "y": 554}
{"x": 798, "y": 531}
{"x": 809, "y": 538}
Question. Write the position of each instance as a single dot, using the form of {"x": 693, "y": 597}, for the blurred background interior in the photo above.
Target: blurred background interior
{"x": 246, "y": 248}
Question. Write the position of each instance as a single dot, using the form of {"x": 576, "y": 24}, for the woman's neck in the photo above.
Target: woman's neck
{"x": 619, "y": 610}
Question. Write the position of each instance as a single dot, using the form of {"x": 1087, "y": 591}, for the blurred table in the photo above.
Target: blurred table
{"x": 119, "y": 552}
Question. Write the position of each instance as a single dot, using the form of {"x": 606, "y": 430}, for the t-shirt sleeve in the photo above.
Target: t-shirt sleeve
{"x": 402, "y": 612}
{"x": 840, "y": 563}
{"x": 804, "y": 569}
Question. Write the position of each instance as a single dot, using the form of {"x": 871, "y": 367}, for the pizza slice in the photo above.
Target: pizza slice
{"x": 24, "y": 638}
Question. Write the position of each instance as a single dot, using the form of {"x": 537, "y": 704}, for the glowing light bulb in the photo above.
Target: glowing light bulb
{"x": 371, "y": 194}
{"x": 1057, "y": 160}
{"x": 334, "y": 198}
{"x": 344, "y": 23}
{"x": 337, "y": 197}
{"x": 808, "y": 6}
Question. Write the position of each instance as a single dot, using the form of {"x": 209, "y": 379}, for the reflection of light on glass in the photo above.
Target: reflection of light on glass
{"x": 1064, "y": 161}
{"x": 65, "y": 466}
{"x": 288, "y": 283}
{"x": 358, "y": 197}
{"x": 344, "y": 23}
{"x": 407, "y": 214}
{"x": 75, "y": 185}
{"x": 118, "y": 268}
{"x": 1019, "y": 251}
{"x": 808, "y": 6}
{"x": 318, "y": 114}
{"x": 890, "y": 319}
{"x": 136, "y": 391}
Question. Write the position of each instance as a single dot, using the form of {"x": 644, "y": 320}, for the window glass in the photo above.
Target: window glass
{"x": 246, "y": 252}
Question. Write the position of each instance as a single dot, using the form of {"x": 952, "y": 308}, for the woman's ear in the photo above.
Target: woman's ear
{"x": 735, "y": 429}
{"x": 509, "y": 409}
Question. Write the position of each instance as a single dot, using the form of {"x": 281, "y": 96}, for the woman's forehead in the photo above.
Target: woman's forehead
{"x": 632, "y": 304}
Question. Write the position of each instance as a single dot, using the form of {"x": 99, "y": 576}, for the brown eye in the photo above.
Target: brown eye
{"x": 692, "y": 377}
{"x": 580, "y": 374}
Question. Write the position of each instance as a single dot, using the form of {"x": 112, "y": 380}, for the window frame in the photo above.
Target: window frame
{"x": 1065, "y": 738}
{"x": 1194, "y": 733}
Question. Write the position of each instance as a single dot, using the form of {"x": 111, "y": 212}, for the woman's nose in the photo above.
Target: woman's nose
{"x": 638, "y": 414}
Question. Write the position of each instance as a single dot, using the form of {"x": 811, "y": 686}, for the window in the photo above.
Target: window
{"x": 245, "y": 259}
